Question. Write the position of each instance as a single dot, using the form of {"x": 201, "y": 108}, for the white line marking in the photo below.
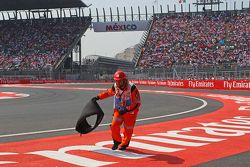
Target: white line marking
{"x": 138, "y": 120}
{"x": 180, "y": 113}
{"x": 8, "y": 153}
{"x": 7, "y": 162}
{"x": 143, "y": 146}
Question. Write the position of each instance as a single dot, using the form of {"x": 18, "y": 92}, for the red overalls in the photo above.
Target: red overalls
{"x": 128, "y": 98}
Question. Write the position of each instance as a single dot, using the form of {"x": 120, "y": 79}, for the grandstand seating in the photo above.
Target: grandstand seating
{"x": 197, "y": 40}
{"x": 38, "y": 44}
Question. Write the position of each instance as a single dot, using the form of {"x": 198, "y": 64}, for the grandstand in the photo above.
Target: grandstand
{"x": 197, "y": 40}
{"x": 197, "y": 45}
{"x": 32, "y": 38}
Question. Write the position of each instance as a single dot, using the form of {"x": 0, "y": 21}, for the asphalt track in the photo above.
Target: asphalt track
{"x": 50, "y": 112}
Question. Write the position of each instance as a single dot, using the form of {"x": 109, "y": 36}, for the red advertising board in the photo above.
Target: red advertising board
{"x": 198, "y": 84}
{"x": 192, "y": 84}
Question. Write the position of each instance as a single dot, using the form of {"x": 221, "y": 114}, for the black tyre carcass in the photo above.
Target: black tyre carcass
{"x": 92, "y": 108}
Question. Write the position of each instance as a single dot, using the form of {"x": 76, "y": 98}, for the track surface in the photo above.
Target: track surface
{"x": 52, "y": 110}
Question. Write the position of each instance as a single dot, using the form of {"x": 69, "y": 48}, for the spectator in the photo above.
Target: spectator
{"x": 25, "y": 45}
{"x": 198, "y": 41}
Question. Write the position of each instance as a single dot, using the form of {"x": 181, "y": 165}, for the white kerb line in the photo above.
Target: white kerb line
{"x": 138, "y": 120}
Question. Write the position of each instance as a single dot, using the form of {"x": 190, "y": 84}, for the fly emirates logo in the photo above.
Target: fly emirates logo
{"x": 235, "y": 84}
{"x": 200, "y": 84}
{"x": 171, "y": 141}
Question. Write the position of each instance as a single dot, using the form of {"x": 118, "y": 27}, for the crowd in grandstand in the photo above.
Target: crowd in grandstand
{"x": 36, "y": 44}
{"x": 185, "y": 39}
{"x": 199, "y": 40}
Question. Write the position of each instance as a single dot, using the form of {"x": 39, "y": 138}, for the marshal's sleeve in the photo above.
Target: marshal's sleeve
{"x": 107, "y": 93}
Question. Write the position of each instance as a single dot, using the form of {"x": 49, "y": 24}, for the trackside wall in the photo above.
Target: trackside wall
{"x": 193, "y": 84}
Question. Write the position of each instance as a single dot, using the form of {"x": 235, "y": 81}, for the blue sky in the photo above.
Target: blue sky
{"x": 109, "y": 44}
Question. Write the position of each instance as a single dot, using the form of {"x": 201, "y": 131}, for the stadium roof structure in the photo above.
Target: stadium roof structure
{"x": 8, "y": 5}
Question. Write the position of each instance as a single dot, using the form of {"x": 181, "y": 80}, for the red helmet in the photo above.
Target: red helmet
{"x": 119, "y": 75}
